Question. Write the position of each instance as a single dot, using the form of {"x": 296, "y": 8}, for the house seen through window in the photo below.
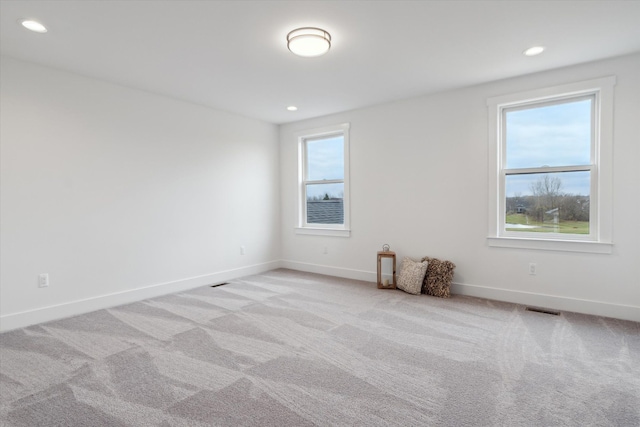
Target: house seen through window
{"x": 324, "y": 184}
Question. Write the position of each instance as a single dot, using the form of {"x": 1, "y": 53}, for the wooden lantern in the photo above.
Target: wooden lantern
{"x": 384, "y": 283}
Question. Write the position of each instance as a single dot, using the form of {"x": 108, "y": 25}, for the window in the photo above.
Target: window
{"x": 323, "y": 181}
{"x": 550, "y": 168}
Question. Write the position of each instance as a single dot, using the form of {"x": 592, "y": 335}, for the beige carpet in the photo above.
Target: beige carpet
{"x": 286, "y": 348}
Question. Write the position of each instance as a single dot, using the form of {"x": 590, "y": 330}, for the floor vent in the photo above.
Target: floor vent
{"x": 543, "y": 310}
{"x": 219, "y": 284}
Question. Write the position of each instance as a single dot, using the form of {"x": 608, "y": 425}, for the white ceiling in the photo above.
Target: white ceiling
{"x": 232, "y": 55}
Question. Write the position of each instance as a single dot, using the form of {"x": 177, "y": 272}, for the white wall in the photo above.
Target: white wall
{"x": 120, "y": 194}
{"x": 419, "y": 182}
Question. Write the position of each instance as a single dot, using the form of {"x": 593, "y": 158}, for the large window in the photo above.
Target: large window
{"x": 323, "y": 180}
{"x": 551, "y": 168}
{"x": 548, "y": 165}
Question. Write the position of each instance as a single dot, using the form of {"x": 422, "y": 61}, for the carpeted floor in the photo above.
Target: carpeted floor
{"x": 286, "y": 348}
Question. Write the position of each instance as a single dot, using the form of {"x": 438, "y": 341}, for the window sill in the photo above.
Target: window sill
{"x": 551, "y": 245}
{"x": 323, "y": 231}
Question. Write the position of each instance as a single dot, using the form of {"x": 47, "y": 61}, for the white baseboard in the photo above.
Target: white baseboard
{"x": 347, "y": 273}
{"x": 45, "y": 314}
{"x": 596, "y": 308}
{"x": 73, "y": 308}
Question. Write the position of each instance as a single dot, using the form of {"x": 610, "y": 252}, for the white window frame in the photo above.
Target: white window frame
{"x": 599, "y": 239}
{"x": 338, "y": 230}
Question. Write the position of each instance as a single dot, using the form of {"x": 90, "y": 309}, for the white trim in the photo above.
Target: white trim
{"x": 45, "y": 314}
{"x": 537, "y": 95}
{"x": 313, "y": 231}
{"x": 550, "y": 245}
{"x": 322, "y": 131}
{"x": 74, "y": 308}
{"x": 595, "y": 308}
{"x": 601, "y": 198}
{"x": 548, "y": 169}
{"x": 327, "y": 270}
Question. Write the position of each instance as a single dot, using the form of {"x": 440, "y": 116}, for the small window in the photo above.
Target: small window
{"x": 323, "y": 181}
{"x": 550, "y": 167}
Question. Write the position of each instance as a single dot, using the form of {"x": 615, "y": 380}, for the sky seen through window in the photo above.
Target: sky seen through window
{"x": 553, "y": 135}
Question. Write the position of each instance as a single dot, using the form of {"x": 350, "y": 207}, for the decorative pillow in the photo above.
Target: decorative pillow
{"x": 438, "y": 278}
{"x": 412, "y": 276}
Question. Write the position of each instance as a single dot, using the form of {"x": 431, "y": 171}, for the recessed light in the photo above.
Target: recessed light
{"x": 309, "y": 41}
{"x": 533, "y": 51}
{"x": 32, "y": 25}
{"x": 292, "y": 108}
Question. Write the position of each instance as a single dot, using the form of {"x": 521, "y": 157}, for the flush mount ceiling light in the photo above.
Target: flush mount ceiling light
{"x": 292, "y": 108}
{"x": 533, "y": 51}
{"x": 32, "y": 25}
{"x": 309, "y": 41}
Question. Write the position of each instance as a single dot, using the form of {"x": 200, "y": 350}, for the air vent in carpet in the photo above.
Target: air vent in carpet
{"x": 543, "y": 310}
{"x": 219, "y": 284}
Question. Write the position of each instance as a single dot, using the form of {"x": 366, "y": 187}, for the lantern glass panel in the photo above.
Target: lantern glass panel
{"x": 387, "y": 269}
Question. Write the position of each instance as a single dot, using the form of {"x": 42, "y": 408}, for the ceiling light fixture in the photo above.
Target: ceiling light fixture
{"x": 309, "y": 41}
{"x": 32, "y": 25}
{"x": 533, "y": 51}
{"x": 292, "y": 108}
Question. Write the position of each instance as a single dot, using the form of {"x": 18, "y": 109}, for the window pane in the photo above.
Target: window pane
{"x": 325, "y": 158}
{"x": 325, "y": 203}
{"x": 548, "y": 202}
{"x": 551, "y": 135}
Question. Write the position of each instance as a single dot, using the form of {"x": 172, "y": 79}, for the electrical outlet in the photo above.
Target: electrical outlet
{"x": 325, "y": 250}
{"x": 533, "y": 267}
{"x": 241, "y": 250}
{"x": 43, "y": 280}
